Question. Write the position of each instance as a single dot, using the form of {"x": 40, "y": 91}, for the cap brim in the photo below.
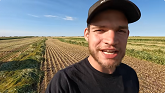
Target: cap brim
{"x": 130, "y": 10}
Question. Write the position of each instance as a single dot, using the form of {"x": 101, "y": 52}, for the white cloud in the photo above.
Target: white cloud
{"x": 50, "y": 16}
{"x": 33, "y": 15}
{"x": 60, "y": 17}
{"x": 68, "y": 18}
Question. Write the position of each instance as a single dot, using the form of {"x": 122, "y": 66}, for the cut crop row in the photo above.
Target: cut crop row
{"x": 23, "y": 74}
{"x": 59, "y": 55}
{"x": 15, "y": 49}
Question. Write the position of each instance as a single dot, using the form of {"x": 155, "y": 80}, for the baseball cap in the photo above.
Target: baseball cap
{"x": 130, "y": 10}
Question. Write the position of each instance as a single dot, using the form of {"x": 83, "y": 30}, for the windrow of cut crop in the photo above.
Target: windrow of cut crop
{"x": 5, "y": 55}
{"x": 77, "y": 41}
{"x": 23, "y": 74}
{"x": 149, "y": 55}
{"x": 147, "y": 48}
{"x": 12, "y": 48}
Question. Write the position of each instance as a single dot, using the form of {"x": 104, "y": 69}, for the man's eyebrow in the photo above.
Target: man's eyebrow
{"x": 96, "y": 26}
{"x": 123, "y": 27}
{"x": 120, "y": 27}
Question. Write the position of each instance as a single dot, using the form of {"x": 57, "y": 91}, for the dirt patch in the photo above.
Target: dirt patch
{"x": 151, "y": 75}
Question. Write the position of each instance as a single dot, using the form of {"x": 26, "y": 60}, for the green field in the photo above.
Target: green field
{"x": 22, "y": 73}
{"x": 145, "y": 48}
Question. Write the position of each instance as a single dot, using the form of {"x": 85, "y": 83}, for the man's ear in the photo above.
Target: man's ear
{"x": 86, "y": 34}
{"x": 128, "y": 33}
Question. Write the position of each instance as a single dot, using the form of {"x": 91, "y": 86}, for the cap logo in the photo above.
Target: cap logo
{"x": 102, "y": 1}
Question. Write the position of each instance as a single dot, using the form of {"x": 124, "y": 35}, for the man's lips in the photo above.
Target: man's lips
{"x": 109, "y": 52}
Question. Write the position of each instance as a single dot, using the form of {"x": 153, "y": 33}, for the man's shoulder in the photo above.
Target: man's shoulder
{"x": 125, "y": 66}
{"x": 130, "y": 78}
{"x": 63, "y": 81}
{"x": 125, "y": 69}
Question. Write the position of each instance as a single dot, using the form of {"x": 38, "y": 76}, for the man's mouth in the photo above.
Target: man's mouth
{"x": 109, "y": 51}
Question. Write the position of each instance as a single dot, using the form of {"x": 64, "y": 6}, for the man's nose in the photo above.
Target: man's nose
{"x": 110, "y": 38}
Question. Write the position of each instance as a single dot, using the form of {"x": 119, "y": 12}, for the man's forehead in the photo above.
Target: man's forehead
{"x": 104, "y": 26}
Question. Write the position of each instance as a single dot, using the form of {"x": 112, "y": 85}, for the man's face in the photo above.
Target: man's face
{"x": 107, "y": 37}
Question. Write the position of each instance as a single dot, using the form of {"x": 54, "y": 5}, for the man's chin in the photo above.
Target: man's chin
{"x": 109, "y": 63}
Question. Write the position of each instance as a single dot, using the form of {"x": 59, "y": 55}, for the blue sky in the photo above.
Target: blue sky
{"x": 68, "y": 17}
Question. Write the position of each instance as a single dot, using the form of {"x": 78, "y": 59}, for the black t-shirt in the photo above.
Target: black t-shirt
{"x": 83, "y": 78}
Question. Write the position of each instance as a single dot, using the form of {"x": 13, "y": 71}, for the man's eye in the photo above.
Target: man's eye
{"x": 99, "y": 30}
{"x": 122, "y": 31}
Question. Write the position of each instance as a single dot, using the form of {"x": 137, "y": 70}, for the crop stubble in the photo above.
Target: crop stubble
{"x": 10, "y": 49}
{"x": 59, "y": 55}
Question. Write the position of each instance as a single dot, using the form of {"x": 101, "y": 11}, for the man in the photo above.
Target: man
{"x": 102, "y": 71}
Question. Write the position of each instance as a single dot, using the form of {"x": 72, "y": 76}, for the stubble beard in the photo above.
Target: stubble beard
{"x": 103, "y": 64}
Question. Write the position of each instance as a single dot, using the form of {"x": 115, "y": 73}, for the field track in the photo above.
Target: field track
{"x": 58, "y": 55}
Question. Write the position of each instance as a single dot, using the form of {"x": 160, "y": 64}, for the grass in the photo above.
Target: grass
{"x": 142, "y": 40}
{"x": 77, "y": 41}
{"x": 23, "y": 74}
{"x": 147, "y": 55}
{"x": 145, "y": 48}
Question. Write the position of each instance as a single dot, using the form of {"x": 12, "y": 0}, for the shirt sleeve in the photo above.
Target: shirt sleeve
{"x": 137, "y": 81}
{"x": 58, "y": 84}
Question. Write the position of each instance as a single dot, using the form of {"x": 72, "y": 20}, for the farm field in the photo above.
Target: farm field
{"x": 20, "y": 60}
{"x": 58, "y": 55}
{"x": 38, "y": 59}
